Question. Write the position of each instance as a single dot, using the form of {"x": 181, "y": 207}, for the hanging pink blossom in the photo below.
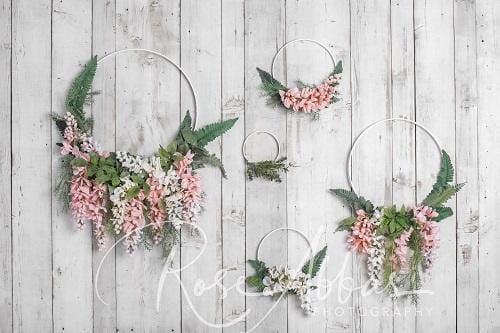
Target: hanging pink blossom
{"x": 310, "y": 99}
{"x": 156, "y": 213}
{"x": 428, "y": 230}
{"x": 88, "y": 203}
{"x": 401, "y": 252}
{"x": 190, "y": 187}
{"x": 362, "y": 232}
{"x": 134, "y": 221}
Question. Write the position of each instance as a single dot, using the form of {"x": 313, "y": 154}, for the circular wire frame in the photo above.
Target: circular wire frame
{"x": 300, "y": 233}
{"x": 349, "y": 157}
{"x": 164, "y": 57}
{"x": 301, "y": 40}
{"x": 244, "y": 145}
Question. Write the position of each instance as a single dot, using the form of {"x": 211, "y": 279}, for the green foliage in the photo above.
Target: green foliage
{"x": 314, "y": 267}
{"x": 352, "y": 199}
{"x": 443, "y": 189}
{"x": 210, "y": 132}
{"x": 338, "y": 68}
{"x": 270, "y": 86}
{"x": 346, "y": 224}
{"x": 78, "y": 93}
{"x": 60, "y": 122}
{"x": 393, "y": 222}
{"x": 269, "y": 170}
{"x": 204, "y": 157}
{"x": 63, "y": 185}
{"x": 260, "y": 273}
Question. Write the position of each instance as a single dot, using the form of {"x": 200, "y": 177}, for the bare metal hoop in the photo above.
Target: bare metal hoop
{"x": 243, "y": 148}
{"x": 301, "y": 40}
{"x": 164, "y": 57}
{"x": 349, "y": 158}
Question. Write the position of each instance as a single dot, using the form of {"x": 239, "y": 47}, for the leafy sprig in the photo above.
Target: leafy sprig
{"x": 312, "y": 268}
{"x": 353, "y": 200}
{"x": 261, "y": 271}
{"x": 268, "y": 169}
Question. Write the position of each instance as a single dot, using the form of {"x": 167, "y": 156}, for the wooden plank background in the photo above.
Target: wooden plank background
{"x": 436, "y": 62}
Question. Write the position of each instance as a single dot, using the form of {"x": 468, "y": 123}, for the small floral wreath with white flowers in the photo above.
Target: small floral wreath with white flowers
{"x": 400, "y": 242}
{"x": 305, "y": 98}
{"x": 277, "y": 281}
{"x": 122, "y": 193}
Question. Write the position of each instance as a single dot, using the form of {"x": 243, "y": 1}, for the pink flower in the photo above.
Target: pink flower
{"x": 400, "y": 257}
{"x": 190, "y": 187}
{"x": 156, "y": 212}
{"x": 310, "y": 99}
{"x": 428, "y": 231}
{"x": 88, "y": 203}
{"x": 134, "y": 221}
{"x": 362, "y": 232}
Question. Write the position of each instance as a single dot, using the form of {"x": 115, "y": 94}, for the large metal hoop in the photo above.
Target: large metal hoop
{"x": 349, "y": 158}
{"x": 164, "y": 57}
{"x": 302, "y": 40}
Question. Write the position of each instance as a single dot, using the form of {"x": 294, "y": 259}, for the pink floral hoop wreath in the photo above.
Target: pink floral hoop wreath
{"x": 122, "y": 193}
{"x": 400, "y": 243}
{"x": 305, "y": 98}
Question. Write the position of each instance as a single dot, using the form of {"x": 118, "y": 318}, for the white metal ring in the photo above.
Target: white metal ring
{"x": 309, "y": 244}
{"x": 115, "y": 53}
{"x": 349, "y": 158}
{"x": 243, "y": 148}
{"x": 301, "y": 40}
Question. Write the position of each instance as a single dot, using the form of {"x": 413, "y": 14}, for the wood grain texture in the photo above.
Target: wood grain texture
{"x": 31, "y": 166}
{"x": 466, "y": 172}
{"x": 488, "y": 52}
{"x": 71, "y": 256}
{"x": 5, "y": 169}
{"x": 432, "y": 61}
{"x": 435, "y": 109}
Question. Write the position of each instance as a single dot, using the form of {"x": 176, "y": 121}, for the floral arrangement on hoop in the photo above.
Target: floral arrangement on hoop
{"x": 399, "y": 243}
{"x": 120, "y": 192}
{"x": 305, "y": 98}
{"x": 276, "y": 280}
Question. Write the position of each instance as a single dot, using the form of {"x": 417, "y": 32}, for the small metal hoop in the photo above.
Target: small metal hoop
{"x": 243, "y": 148}
{"x": 349, "y": 158}
{"x": 300, "y": 233}
{"x": 301, "y": 40}
{"x": 195, "y": 111}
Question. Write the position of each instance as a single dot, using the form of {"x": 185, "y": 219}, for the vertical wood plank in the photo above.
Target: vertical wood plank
{"x": 31, "y": 166}
{"x": 233, "y": 188}
{"x": 5, "y": 169}
{"x": 488, "y": 53}
{"x": 338, "y": 264}
{"x": 308, "y": 201}
{"x": 265, "y": 201}
{"x": 201, "y": 58}
{"x": 435, "y": 109}
{"x": 104, "y": 132}
{"x": 147, "y": 104}
{"x": 71, "y": 249}
{"x": 466, "y": 170}
{"x": 372, "y": 165}
{"x": 403, "y": 135}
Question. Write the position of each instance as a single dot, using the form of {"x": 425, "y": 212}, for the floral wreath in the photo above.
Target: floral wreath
{"x": 277, "y": 281}
{"x": 305, "y": 98}
{"x": 119, "y": 192}
{"x": 400, "y": 243}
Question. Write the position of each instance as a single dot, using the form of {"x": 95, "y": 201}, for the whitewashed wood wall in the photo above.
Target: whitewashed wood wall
{"x": 434, "y": 61}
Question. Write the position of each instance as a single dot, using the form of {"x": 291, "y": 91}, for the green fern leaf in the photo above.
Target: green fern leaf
{"x": 186, "y": 122}
{"x": 210, "y": 159}
{"x": 338, "y": 68}
{"x": 314, "y": 267}
{"x": 271, "y": 87}
{"x": 78, "y": 93}
{"x": 353, "y": 200}
{"x": 443, "y": 212}
{"x": 446, "y": 171}
{"x": 439, "y": 196}
{"x": 212, "y": 131}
